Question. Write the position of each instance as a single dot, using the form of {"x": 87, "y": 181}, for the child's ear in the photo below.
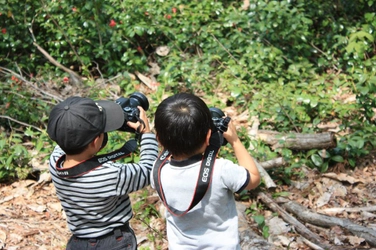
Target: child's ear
{"x": 96, "y": 142}
{"x": 208, "y": 137}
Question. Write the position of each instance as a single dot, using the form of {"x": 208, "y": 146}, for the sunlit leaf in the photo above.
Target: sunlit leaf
{"x": 316, "y": 159}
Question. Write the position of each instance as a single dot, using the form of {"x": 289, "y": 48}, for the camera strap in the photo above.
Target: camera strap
{"x": 203, "y": 180}
{"x": 94, "y": 162}
{"x": 138, "y": 131}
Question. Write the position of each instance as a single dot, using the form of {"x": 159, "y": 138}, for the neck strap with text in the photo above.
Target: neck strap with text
{"x": 203, "y": 180}
{"x": 94, "y": 162}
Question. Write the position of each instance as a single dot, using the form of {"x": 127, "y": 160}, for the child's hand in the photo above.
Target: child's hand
{"x": 231, "y": 135}
{"x": 144, "y": 128}
{"x": 243, "y": 156}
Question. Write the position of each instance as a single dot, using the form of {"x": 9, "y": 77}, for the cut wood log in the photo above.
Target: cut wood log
{"x": 297, "y": 141}
{"x": 277, "y": 162}
{"x": 368, "y": 234}
{"x": 299, "y": 227}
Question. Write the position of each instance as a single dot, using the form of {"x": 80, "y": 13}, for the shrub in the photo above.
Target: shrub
{"x": 288, "y": 62}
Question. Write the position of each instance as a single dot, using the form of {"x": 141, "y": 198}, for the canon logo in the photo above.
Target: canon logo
{"x": 205, "y": 175}
{"x": 62, "y": 172}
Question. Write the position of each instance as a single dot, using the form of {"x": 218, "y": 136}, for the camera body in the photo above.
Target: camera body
{"x": 131, "y": 112}
{"x": 220, "y": 122}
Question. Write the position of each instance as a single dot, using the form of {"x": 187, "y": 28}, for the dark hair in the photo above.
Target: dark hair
{"x": 74, "y": 151}
{"x": 182, "y": 122}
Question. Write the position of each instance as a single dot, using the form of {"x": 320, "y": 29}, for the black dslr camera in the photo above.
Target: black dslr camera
{"x": 131, "y": 112}
{"x": 220, "y": 122}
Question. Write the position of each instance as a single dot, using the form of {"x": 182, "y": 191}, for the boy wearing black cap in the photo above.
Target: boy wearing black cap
{"x": 96, "y": 201}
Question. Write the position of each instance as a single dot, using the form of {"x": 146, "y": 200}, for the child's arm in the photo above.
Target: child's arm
{"x": 243, "y": 156}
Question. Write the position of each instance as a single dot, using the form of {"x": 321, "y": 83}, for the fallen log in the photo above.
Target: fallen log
{"x": 338, "y": 210}
{"x": 368, "y": 234}
{"x": 299, "y": 227}
{"x": 277, "y": 162}
{"x": 296, "y": 140}
{"x": 268, "y": 181}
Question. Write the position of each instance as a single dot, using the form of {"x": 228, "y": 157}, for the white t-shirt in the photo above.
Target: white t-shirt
{"x": 213, "y": 222}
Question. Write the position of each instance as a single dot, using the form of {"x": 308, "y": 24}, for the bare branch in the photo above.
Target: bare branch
{"x": 19, "y": 122}
{"x": 76, "y": 79}
{"x": 19, "y": 76}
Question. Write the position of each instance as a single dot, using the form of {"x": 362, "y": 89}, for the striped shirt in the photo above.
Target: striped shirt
{"x": 97, "y": 202}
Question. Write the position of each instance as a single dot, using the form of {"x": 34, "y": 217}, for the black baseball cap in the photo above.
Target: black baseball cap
{"x": 75, "y": 122}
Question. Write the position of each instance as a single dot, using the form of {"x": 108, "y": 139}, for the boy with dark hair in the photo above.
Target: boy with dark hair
{"x": 94, "y": 190}
{"x": 185, "y": 129}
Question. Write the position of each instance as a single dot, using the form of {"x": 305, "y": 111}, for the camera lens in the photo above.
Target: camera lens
{"x": 139, "y": 99}
{"x": 216, "y": 113}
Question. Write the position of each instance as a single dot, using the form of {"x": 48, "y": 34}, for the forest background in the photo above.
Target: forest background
{"x": 292, "y": 67}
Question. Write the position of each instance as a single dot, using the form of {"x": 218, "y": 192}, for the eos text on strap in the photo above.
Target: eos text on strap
{"x": 94, "y": 162}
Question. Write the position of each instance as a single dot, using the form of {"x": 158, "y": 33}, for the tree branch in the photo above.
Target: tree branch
{"x": 19, "y": 122}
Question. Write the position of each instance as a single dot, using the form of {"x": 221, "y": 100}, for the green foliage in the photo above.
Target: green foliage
{"x": 253, "y": 211}
{"x": 19, "y": 102}
{"x": 14, "y": 157}
{"x": 21, "y": 114}
{"x": 290, "y": 63}
{"x": 260, "y": 220}
{"x": 144, "y": 211}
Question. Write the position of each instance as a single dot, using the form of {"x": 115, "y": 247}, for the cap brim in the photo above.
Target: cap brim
{"x": 114, "y": 115}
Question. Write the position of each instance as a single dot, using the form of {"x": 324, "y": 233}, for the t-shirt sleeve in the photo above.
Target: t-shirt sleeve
{"x": 233, "y": 176}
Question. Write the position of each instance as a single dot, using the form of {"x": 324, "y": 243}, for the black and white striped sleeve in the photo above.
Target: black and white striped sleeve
{"x": 135, "y": 176}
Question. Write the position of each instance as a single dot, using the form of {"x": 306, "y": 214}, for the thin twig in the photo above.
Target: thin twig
{"x": 30, "y": 84}
{"x": 66, "y": 38}
{"x": 97, "y": 25}
{"x": 322, "y": 52}
{"x": 22, "y": 123}
{"x": 152, "y": 229}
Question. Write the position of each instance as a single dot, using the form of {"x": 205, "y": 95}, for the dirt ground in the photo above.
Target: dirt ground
{"x": 31, "y": 216}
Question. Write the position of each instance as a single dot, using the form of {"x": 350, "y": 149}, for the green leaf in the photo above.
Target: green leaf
{"x": 352, "y": 162}
{"x": 19, "y": 150}
{"x": 360, "y": 144}
{"x": 337, "y": 158}
{"x": 9, "y": 161}
{"x": 2, "y": 144}
{"x": 29, "y": 132}
{"x": 265, "y": 232}
{"x": 364, "y": 90}
{"x": 314, "y": 103}
{"x": 317, "y": 160}
{"x": 281, "y": 194}
{"x": 259, "y": 219}
{"x": 324, "y": 154}
{"x": 324, "y": 167}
